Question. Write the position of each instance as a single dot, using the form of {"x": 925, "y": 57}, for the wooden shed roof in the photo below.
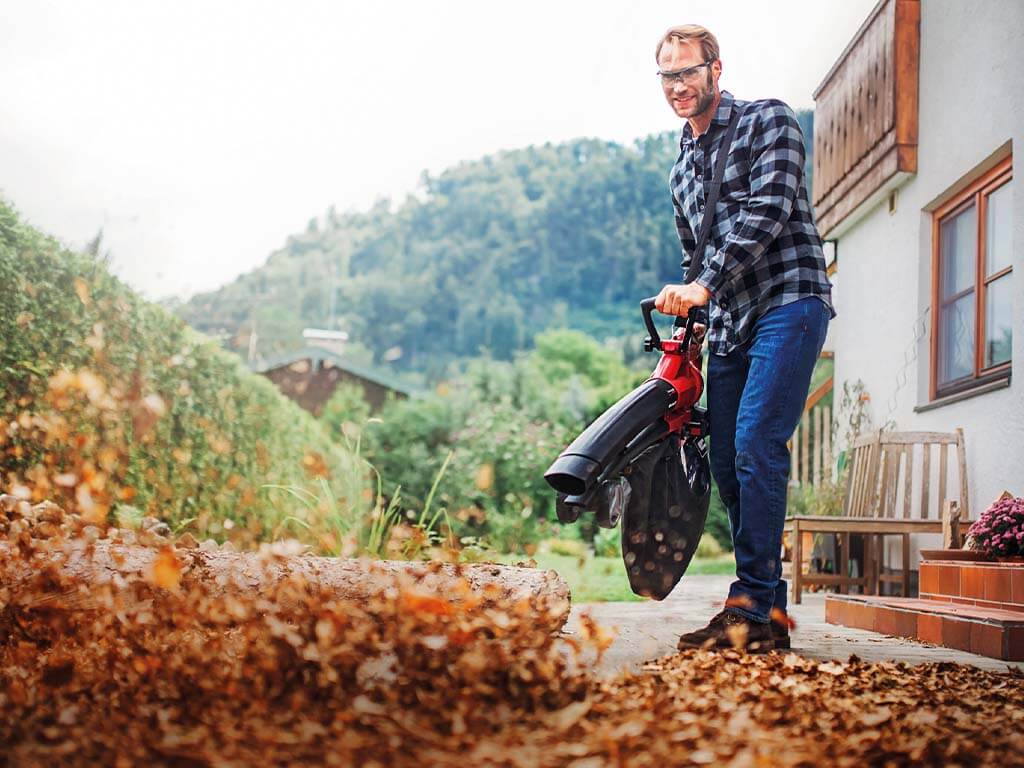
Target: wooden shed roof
{"x": 321, "y": 355}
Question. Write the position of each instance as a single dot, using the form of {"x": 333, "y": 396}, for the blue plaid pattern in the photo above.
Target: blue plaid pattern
{"x": 764, "y": 249}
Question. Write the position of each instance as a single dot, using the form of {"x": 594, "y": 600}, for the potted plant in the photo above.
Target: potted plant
{"x": 999, "y": 531}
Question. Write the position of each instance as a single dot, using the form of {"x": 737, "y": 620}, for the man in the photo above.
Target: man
{"x": 763, "y": 274}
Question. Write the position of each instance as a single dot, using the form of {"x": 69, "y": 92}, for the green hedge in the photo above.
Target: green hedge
{"x": 86, "y": 366}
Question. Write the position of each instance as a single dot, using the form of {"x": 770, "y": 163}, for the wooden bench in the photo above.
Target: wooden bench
{"x": 879, "y": 503}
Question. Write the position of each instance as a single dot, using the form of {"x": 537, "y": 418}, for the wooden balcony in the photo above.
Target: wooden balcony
{"x": 865, "y": 119}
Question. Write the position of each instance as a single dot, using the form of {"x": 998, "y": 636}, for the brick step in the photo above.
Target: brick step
{"x": 993, "y": 632}
{"x": 992, "y": 585}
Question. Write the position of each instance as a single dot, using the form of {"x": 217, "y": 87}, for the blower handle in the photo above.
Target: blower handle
{"x": 653, "y": 340}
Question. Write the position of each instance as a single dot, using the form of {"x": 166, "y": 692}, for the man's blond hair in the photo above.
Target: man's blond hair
{"x": 708, "y": 42}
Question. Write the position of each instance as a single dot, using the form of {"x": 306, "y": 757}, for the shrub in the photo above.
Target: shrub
{"x": 825, "y": 498}
{"x": 717, "y": 524}
{"x": 608, "y": 542}
{"x": 999, "y": 532}
{"x": 708, "y": 547}
{"x": 494, "y": 488}
{"x": 507, "y": 532}
{"x": 346, "y": 411}
{"x": 408, "y": 443}
{"x": 110, "y": 400}
{"x": 567, "y": 547}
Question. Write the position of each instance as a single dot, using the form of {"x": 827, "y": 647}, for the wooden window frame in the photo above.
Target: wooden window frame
{"x": 975, "y": 194}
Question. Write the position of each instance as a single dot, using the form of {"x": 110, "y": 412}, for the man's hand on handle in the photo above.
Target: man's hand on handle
{"x": 677, "y": 299}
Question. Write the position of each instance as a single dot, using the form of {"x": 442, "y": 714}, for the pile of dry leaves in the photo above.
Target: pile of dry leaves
{"x": 142, "y": 669}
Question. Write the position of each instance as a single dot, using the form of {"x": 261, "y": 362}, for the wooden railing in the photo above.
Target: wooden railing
{"x": 811, "y": 445}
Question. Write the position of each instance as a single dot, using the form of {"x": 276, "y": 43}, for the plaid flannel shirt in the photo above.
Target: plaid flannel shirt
{"x": 763, "y": 249}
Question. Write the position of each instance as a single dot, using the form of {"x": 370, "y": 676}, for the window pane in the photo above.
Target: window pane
{"x": 958, "y": 248}
{"x": 999, "y": 229}
{"x": 999, "y": 320}
{"x": 956, "y": 340}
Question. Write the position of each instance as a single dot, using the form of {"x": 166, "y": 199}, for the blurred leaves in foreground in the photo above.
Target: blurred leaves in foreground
{"x": 172, "y": 666}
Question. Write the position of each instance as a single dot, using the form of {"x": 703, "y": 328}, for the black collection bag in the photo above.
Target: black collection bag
{"x": 670, "y": 490}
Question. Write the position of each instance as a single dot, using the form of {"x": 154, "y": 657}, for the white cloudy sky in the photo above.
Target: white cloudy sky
{"x": 199, "y": 134}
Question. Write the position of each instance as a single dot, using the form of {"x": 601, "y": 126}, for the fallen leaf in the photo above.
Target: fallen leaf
{"x": 167, "y": 569}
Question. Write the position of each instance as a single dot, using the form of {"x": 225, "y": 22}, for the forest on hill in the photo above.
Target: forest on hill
{"x": 486, "y": 255}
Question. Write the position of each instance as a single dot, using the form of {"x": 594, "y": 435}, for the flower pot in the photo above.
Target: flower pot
{"x": 959, "y": 555}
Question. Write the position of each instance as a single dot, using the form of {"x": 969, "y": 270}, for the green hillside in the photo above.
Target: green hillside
{"x": 487, "y": 255}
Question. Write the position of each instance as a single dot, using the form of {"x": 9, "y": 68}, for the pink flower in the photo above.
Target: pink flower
{"x": 1000, "y": 529}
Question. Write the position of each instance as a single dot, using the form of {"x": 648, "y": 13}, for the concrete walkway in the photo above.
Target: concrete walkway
{"x": 647, "y": 630}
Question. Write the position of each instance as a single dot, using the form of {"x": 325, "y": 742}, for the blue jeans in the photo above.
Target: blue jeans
{"x": 756, "y": 395}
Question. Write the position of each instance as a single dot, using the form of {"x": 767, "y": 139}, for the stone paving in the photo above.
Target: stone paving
{"x": 649, "y": 629}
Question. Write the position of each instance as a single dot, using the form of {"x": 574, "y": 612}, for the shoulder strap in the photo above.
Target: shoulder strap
{"x": 697, "y": 257}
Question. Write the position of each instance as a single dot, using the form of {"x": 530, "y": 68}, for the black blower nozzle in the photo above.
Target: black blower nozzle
{"x": 578, "y": 468}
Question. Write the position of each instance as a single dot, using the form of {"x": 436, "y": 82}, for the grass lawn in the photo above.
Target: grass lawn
{"x": 603, "y": 579}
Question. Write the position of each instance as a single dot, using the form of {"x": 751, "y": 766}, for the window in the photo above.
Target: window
{"x": 972, "y": 289}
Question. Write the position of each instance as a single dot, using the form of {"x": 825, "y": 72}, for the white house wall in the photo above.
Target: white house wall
{"x": 971, "y": 104}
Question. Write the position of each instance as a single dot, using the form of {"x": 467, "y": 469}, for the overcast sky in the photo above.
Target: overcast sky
{"x": 199, "y": 135}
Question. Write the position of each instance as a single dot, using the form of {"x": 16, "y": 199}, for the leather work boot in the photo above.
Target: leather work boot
{"x": 781, "y": 624}
{"x": 780, "y": 636}
{"x": 730, "y": 630}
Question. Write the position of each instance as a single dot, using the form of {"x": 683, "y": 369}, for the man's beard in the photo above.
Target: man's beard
{"x": 707, "y": 98}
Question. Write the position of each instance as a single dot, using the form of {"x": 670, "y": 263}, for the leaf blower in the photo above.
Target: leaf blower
{"x": 644, "y": 461}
